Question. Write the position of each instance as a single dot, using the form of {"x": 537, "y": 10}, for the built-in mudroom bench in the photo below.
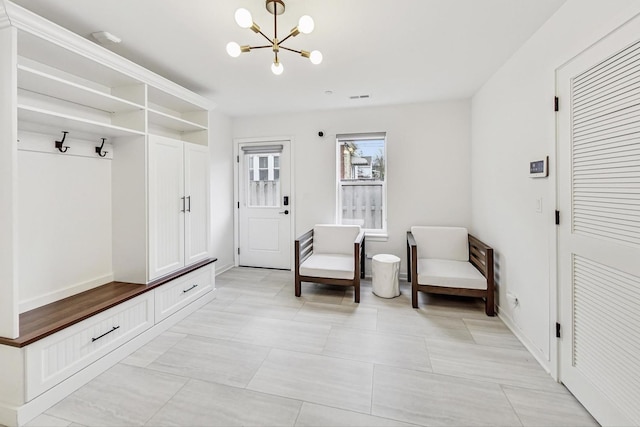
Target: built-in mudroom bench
{"x": 104, "y": 210}
{"x": 59, "y": 342}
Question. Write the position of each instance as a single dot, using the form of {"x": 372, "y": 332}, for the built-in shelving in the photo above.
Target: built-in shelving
{"x": 178, "y": 124}
{"x": 54, "y": 81}
{"x": 45, "y": 84}
{"x": 78, "y": 57}
{"x": 75, "y": 127}
{"x": 39, "y": 120}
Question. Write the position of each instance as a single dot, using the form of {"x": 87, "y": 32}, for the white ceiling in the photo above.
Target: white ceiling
{"x": 398, "y": 51}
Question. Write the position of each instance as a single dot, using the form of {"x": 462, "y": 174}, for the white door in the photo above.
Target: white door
{"x": 166, "y": 206}
{"x": 196, "y": 190}
{"x": 265, "y": 205}
{"x": 599, "y": 232}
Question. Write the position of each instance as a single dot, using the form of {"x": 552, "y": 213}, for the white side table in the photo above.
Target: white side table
{"x": 385, "y": 269}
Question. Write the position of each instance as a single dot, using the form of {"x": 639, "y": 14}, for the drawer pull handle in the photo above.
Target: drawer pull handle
{"x": 106, "y": 333}
{"x": 191, "y": 288}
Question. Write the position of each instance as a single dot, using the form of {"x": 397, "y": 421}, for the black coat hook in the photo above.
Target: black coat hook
{"x": 99, "y": 149}
{"x": 59, "y": 145}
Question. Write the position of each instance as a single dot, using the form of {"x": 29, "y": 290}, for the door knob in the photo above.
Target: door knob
{"x": 286, "y": 212}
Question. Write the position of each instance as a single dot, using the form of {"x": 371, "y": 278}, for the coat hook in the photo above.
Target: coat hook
{"x": 59, "y": 145}
{"x": 99, "y": 149}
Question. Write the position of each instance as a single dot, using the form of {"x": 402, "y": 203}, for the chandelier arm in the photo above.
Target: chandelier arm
{"x": 265, "y": 36}
{"x": 291, "y": 50}
{"x": 284, "y": 39}
{"x": 261, "y": 47}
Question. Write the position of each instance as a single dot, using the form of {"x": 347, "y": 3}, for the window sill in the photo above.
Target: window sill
{"x": 376, "y": 237}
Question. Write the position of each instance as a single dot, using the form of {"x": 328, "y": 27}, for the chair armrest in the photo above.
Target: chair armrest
{"x": 303, "y": 247}
{"x": 305, "y": 236}
{"x": 359, "y": 254}
{"x": 412, "y": 252}
{"x": 411, "y": 241}
{"x": 481, "y": 256}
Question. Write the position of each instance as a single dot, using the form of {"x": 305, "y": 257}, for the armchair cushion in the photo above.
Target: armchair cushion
{"x": 335, "y": 239}
{"x": 442, "y": 242}
{"x": 333, "y": 266}
{"x": 450, "y": 273}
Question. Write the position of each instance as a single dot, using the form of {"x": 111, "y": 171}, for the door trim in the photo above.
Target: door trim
{"x": 236, "y": 188}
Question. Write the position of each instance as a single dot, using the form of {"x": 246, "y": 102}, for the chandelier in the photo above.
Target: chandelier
{"x": 275, "y": 7}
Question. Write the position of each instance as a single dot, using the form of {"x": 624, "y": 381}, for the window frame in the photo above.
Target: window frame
{"x": 374, "y": 234}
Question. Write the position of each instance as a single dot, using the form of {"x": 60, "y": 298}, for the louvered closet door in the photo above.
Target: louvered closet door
{"x": 599, "y": 233}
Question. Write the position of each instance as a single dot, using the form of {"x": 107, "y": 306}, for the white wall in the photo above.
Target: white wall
{"x": 428, "y": 163}
{"x": 221, "y": 152}
{"x": 513, "y": 123}
{"x": 65, "y": 223}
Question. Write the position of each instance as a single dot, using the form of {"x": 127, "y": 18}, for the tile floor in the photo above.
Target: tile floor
{"x": 257, "y": 355}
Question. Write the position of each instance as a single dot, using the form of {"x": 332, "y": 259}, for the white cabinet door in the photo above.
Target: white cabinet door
{"x": 167, "y": 205}
{"x": 196, "y": 190}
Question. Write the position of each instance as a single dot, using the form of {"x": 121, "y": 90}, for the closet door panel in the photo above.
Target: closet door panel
{"x": 197, "y": 193}
{"x": 167, "y": 206}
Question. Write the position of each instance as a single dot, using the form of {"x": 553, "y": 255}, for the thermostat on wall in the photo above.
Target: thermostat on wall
{"x": 539, "y": 168}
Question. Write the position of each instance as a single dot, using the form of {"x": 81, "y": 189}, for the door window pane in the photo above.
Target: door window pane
{"x": 263, "y": 185}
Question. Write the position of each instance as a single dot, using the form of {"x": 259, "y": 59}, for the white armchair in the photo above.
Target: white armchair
{"x": 330, "y": 254}
{"x": 448, "y": 260}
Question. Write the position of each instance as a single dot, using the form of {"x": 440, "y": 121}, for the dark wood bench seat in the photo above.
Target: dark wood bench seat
{"x": 43, "y": 321}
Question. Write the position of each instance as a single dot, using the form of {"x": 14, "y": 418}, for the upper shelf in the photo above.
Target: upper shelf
{"x": 71, "y": 60}
{"x": 172, "y": 122}
{"x": 38, "y": 120}
{"x": 55, "y": 87}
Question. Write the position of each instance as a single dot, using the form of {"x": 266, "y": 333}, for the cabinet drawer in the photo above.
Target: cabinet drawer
{"x": 55, "y": 358}
{"x": 178, "y": 293}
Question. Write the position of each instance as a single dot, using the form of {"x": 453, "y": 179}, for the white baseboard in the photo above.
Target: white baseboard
{"x": 11, "y": 415}
{"x": 537, "y": 354}
{"x": 222, "y": 269}
{"x": 8, "y": 414}
{"x": 41, "y": 300}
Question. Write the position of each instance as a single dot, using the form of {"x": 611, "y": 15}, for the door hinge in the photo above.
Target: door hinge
{"x": 238, "y": 251}
{"x": 556, "y": 104}
{"x": 237, "y": 159}
{"x": 238, "y": 205}
{"x": 557, "y": 330}
{"x": 557, "y": 217}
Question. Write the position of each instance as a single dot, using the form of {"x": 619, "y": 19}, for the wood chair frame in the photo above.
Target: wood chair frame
{"x": 304, "y": 249}
{"x": 480, "y": 255}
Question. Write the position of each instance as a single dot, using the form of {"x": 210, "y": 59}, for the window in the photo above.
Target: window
{"x": 361, "y": 185}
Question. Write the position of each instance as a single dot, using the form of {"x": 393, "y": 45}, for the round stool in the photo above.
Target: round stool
{"x": 385, "y": 269}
